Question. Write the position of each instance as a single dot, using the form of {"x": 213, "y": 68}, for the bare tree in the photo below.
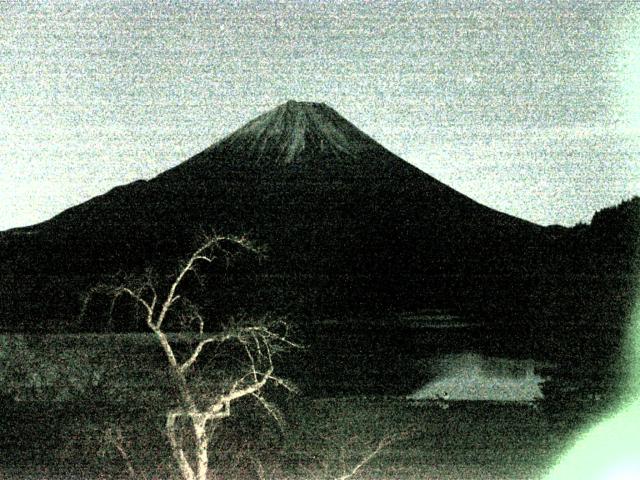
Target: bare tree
{"x": 258, "y": 341}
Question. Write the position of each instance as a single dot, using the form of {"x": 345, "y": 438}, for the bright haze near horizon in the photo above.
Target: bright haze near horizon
{"x": 531, "y": 108}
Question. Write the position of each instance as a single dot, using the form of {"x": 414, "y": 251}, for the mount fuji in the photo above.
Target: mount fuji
{"x": 349, "y": 227}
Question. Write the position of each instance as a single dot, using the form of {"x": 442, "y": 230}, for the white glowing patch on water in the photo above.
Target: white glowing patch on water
{"x": 473, "y": 377}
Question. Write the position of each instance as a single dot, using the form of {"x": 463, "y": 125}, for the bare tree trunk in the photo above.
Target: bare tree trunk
{"x": 202, "y": 444}
{"x": 198, "y": 422}
{"x": 178, "y": 376}
{"x": 186, "y": 471}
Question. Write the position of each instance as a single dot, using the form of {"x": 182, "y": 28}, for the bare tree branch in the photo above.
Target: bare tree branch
{"x": 194, "y": 356}
{"x": 366, "y": 459}
{"x": 236, "y": 393}
{"x": 198, "y": 255}
{"x": 270, "y": 408}
{"x": 115, "y": 438}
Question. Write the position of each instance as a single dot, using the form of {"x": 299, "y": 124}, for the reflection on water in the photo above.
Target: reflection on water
{"x": 471, "y": 376}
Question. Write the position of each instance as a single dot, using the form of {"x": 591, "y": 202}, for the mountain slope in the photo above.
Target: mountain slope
{"x": 350, "y": 227}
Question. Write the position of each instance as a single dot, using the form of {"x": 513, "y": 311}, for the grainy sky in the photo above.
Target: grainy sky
{"x": 530, "y": 107}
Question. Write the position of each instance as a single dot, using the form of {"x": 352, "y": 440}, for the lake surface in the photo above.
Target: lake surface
{"x": 73, "y": 388}
{"x": 336, "y": 360}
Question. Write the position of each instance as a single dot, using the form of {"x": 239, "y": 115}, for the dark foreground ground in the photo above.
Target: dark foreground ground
{"x": 323, "y": 438}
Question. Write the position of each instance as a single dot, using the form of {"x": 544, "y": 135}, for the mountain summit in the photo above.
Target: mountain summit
{"x": 298, "y": 132}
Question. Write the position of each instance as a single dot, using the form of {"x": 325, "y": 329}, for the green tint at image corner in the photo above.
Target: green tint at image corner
{"x": 610, "y": 450}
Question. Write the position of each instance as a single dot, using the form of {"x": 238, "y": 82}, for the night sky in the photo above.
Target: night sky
{"x": 529, "y": 107}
